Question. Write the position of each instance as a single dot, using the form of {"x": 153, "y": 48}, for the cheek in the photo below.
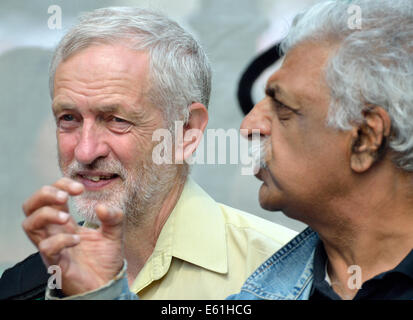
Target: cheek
{"x": 66, "y": 144}
{"x": 130, "y": 150}
{"x": 297, "y": 154}
{"x": 287, "y": 150}
{"x": 310, "y": 164}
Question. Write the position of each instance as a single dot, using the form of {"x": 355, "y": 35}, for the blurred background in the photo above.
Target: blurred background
{"x": 233, "y": 33}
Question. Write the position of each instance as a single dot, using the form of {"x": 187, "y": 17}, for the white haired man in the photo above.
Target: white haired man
{"x": 337, "y": 117}
{"x": 115, "y": 78}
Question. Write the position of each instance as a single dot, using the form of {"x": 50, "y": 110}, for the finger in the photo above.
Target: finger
{"x": 56, "y": 195}
{"x": 51, "y": 248}
{"x": 43, "y": 217}
{"x": 46, "y": 196}
{"x": 48, "y": 221}
{"x": 70, "y": 186}
{"x": 111, "y": 221}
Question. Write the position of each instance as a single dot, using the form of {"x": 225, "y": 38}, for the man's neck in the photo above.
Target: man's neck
{"x": 140, "y": 240}
{"x": 368, "y": 255}
{"x": 373, "y": 232}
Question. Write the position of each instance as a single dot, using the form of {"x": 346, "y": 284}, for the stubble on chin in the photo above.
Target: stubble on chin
{"x": 137, "y": 194}
{"x": 85, "y": 204}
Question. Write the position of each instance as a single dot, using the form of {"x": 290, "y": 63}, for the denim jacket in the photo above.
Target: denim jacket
{"x": 286, "y": 275}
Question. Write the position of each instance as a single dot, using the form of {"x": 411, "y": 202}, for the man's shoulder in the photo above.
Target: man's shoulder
{"x": 285, "y": 275}
{"x": 246, "y": 221}
{"x": 26, "y": 280}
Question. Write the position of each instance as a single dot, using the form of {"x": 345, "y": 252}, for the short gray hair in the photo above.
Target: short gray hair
{"x": 179, "y": 71}
{"x": 372, "y": 66}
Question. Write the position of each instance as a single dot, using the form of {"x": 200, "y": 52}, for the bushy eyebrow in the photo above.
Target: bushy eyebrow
{"x": 57, "y": 107}
{"x": 276, "y": 92}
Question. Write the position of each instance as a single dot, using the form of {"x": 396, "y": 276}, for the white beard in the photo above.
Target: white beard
{"x": 135, "y": 193}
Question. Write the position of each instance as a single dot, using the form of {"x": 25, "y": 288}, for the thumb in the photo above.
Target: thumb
{"x": 112, "y": 221}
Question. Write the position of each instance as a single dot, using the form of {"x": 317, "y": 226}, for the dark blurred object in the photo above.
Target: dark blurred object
{"x": 251, "y": 74}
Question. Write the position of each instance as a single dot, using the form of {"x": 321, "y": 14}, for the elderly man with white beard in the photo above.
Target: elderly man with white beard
{"x": 116, "y": 77}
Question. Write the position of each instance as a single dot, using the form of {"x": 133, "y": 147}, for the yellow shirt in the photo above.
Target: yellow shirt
{"x": 206, "y": 250}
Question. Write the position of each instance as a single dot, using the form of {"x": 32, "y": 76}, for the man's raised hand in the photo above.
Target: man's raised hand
{"x": 88, "y": 258}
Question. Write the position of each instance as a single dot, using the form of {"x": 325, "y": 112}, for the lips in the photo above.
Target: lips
{"x": 261, "y": 175}
{"x": 258, "y": 175}
{"x": 96, "y": 180}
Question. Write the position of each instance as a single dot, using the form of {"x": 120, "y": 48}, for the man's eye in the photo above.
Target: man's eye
{"x": 67, "y": 122}
{"x": 119, "y": 125}
{"x": 283, "y": 112}
{"x": 281, "y": 106}
{"x": 68, "y": 117}
{"x": 117, "y": 120}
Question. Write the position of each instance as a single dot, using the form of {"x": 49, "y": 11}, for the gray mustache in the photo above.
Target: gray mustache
{"x": 109, "y": 166}
{"x": 258, "y": 153}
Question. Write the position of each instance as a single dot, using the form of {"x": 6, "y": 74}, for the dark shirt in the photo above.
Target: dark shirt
{"x": 396, "y": 284}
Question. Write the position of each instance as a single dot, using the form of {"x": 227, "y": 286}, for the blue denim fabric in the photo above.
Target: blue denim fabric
{"x": 126, "y": 294}
{"x": 286, "y": 275}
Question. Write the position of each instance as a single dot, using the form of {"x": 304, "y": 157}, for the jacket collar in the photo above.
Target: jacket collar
{"x": 288, "y": 274}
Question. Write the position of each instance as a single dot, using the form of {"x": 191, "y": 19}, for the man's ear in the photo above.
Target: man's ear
{"x": 369, "y": 139}
{"x": 193, "y": 132}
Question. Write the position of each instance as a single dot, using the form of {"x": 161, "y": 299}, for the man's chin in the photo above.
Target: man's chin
{"x": 87, "y": 215}
{"x": 269, "y": 199}
{"x": 269, "y": 206}
{"x": 85, "y": 209}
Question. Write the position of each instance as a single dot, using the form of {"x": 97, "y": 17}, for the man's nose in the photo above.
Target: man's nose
{"x": 259, "y": 118}
{"x": 91, "y": 145}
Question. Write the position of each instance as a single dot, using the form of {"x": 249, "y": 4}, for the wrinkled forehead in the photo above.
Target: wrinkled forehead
{"x": 102, "y": 76}
{"x": 103, "y": 71}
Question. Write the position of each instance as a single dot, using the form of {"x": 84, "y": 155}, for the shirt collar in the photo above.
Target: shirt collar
{"x": 321, "y": 260}
{"x": 198, "y": 229}
{"x": 187, "y": 235}
{"x": 322, "y": 281}
{"x": 320, "y": 264}
{"x": 406, "y": 266}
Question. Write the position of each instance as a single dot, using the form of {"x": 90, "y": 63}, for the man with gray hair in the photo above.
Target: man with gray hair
{"x": 337, "y": 121}
{"x": 117, "y": 77}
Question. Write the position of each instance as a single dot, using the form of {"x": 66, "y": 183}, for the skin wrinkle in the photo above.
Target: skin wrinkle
{"x": 136, "y": 117}
{"x": 275, "y": 91}
{"x": 299, "y": 92}
{"x": 146, "y": 191}
{"x": 311, "y": 174}
{"x": 345, "y": 186}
